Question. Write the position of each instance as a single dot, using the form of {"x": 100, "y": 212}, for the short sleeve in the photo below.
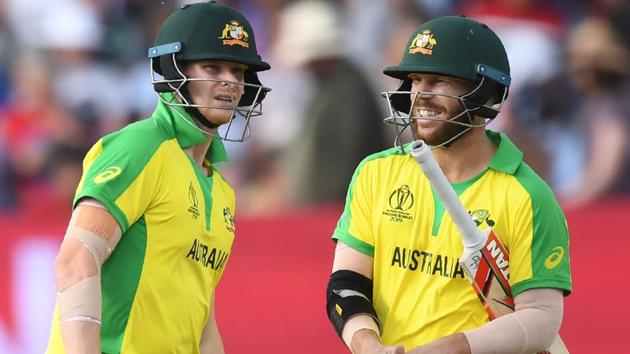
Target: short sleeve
{"x": 539, "y": 244}
{"x": 354, "y": 227}
{"x": 121, "y": 173}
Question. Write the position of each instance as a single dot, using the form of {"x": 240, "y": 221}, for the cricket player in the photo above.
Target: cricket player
{"x": 153, "y": 221}
{"x": 396, "y": 282}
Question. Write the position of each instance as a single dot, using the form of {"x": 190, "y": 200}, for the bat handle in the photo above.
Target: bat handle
{"x": 473, "y": 238}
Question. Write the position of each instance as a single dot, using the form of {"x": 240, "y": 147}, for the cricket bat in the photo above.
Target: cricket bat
{"x": 485, "y": 260}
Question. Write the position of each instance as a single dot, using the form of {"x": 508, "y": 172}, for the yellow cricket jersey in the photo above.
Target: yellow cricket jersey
{"x": 178, "y": 229}
{"x": 420, "y": 291}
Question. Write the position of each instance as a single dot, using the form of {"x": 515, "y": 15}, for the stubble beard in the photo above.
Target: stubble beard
{"x": 445, "y": 131}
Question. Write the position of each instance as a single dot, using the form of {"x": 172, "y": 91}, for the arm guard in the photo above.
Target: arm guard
{"x": 349, "y": 294}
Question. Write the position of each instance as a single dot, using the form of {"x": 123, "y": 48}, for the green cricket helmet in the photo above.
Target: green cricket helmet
{"x": 200, "y": 31}
{"x": 458, "y": 47}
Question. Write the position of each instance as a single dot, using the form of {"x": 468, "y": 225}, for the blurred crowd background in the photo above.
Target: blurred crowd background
{"x": 72, "y": 71}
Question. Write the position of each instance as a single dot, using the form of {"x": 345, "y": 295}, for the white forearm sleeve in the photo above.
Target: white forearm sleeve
{"x": 531, "y": 328}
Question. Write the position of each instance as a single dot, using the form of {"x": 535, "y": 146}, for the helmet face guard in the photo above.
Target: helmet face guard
{"x": 208, "y": 31}
{"x": 173, "y": 80}
{"x": 457, "y": 47}
{"x": 401, "y": 108}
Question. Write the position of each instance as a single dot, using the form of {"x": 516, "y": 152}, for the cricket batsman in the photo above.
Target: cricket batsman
{"x": 396, "y": 282}
{"x": 153, "y": 220}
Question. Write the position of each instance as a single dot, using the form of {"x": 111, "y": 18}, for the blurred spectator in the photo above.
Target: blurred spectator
{"x": 79, "y": 78}
{"x": 8, "y": 195}
{"x": 72, "y": 70}
{"x": 6, "y": 42}
{"x": 342, "y": 121}
{"x": 598, "y": 67}
{"x": 64, "y": 168}
{"x": 25, "y": 123}
{"x": 587, "y": 115}
{"x": 530, "y": 31}
{"x": 375, "y": 24}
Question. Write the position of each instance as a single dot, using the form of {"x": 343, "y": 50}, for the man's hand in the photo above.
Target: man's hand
{"x": 453, "y": 344}
{"x": 365, "y": 341}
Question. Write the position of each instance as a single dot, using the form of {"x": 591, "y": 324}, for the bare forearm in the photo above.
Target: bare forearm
{"x": 356, "y": 324}
{"x": 212, "y": 348}
{"x": 366, "y": 341}
{"x": 363, "y": 338}
{"x": 211, "y": 342}
{"x": 453, "y": 344}
{"x": 81, "y": 337}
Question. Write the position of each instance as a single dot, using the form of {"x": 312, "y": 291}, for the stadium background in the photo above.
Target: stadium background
{"x": 73, "y": 70}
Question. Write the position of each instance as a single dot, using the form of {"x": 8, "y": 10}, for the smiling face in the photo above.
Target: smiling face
{"x": 220, "y": 90}
{"x": 433, "y": 108}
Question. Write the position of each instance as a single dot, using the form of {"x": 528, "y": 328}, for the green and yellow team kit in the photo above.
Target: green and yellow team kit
{"x": 420, "y": 292}
{"x": 178, "y": 228}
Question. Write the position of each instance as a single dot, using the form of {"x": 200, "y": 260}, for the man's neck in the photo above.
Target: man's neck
{"x": 467, "y": 157}
{"x": 198, "y": 153}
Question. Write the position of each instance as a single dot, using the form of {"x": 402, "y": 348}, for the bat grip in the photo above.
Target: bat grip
{"x": 473, "y": 238}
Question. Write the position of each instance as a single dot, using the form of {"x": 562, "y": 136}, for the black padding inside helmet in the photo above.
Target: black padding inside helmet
{"x": 165, "y": 66}
{"x": 402, "y": 102}
{"x": 249, "y": 94}
{"x": 478, "y": 101}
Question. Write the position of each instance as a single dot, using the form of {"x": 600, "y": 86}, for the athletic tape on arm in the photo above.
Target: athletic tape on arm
{"x": 78, "y": 303}
{"x": 529, "y": 329}
{"x": 99, "y": 233}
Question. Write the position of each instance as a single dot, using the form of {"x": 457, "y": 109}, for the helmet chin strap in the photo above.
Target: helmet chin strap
{"x": 200, "y": 118}
{"x": 195, "y": 112}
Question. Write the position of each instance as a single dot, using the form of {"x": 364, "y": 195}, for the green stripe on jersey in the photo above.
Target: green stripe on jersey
{"x": 346, "y": 217}
{"x": 121, "y": 150}
{"x": 207, "y": 196}
{"x": 459, "y": 188}
{"x": 120, "y": 277}
{"x": 550, "y": 230}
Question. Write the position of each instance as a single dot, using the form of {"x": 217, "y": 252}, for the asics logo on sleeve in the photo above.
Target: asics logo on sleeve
{"x": 554, "y": 258}
{"x": 108, "y": 174}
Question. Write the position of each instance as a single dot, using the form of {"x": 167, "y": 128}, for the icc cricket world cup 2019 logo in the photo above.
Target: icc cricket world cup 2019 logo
{"x": 400, "y": 200}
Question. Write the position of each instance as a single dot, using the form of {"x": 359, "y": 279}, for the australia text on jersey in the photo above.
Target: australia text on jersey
{"x": 213, "y": 258}
{"x": 426, "y": 262}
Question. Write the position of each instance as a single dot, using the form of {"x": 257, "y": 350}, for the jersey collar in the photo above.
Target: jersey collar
{"x": 508, "y": 157}
{"x": 172, "y": 119}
